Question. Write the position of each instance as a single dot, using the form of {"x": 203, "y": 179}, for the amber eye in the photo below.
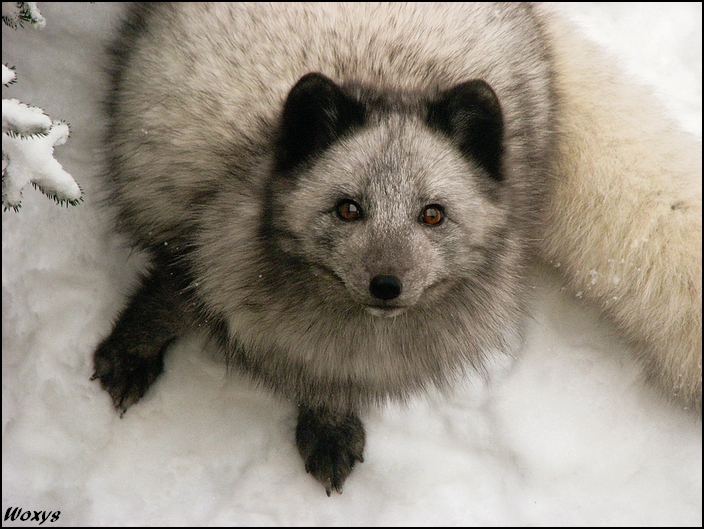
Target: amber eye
{"x": 348, "y": 210}
{"x": 432, "y": 215}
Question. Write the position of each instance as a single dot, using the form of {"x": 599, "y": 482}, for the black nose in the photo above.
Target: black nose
{"x": 385, "y": 287}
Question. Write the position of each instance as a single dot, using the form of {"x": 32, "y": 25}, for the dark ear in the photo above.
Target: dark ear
{"x": 316, "y": 113}
{"x": 470, "y": 114}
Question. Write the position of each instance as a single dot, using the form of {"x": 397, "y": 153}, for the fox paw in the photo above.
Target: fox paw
{"x": 124, "y": 375}
{"x": 330, "y": 445}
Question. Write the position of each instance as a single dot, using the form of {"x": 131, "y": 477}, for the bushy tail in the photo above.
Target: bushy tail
{"x": 625, "y": 215}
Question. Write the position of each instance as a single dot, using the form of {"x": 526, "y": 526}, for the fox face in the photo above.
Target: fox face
{"x": 375, "y": 249}
{"x": 393, "y": 205}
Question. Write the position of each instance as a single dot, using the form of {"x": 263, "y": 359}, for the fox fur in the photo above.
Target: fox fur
{"x": 348, "y": 198}
{"x": 624, "y": 215}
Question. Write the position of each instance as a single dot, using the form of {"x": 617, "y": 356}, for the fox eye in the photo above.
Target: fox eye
{"x": 348, "y": 210}
{"x": 432, "y": 215}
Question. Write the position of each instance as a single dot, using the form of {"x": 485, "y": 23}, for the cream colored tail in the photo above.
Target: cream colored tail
{"x": 624, "y": 222}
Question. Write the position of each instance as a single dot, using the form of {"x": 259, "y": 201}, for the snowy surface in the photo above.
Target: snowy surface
{"x": 564, "y": 434}
{"x": 31, "y": 158}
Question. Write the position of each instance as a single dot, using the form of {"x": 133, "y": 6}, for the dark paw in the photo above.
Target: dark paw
{"x": 330, "y": 445}
{"x": 124, "y": 375}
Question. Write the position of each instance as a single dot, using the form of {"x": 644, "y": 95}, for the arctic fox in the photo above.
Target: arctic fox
{"x": 624, "y": 214}
{"x": 346, "y": 196}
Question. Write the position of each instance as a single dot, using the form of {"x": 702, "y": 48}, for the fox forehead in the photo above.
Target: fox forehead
{"x": 401, "y": 159}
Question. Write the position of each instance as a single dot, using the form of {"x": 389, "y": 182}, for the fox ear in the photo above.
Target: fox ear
{"x": 470, "y": 114}
{"x": 316, "y": 113}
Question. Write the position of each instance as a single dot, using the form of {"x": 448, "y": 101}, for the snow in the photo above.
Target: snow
{"x": 565, "y": 433}
{"x": 31, "y": 158}
{"x": 22, "y": 119}
{"x": 8, "y": 76}
{"x": 18, "y": 13}
{"x": 29, "y": 136}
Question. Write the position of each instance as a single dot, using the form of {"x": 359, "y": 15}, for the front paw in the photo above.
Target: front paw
{"x": 126, "y": 376}
{"x": 330, "y": 445}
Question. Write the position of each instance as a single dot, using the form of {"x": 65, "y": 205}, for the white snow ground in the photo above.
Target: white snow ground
{"x": 565, "y": 434}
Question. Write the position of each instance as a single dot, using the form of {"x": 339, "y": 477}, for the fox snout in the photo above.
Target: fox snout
{"x": 385, "y": 287}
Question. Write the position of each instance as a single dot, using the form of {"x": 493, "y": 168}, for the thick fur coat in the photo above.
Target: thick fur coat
{"x": 624, "y": 217}
{"x": 347, "y": 197}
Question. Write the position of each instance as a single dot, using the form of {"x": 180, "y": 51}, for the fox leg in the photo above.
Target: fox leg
{"x": 330, "y": 444}
{"x": 129, "y": 360}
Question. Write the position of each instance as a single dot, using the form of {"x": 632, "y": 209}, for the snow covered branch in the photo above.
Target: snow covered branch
{"x": 15, "y": 14}
{"x": 29, "y": 135}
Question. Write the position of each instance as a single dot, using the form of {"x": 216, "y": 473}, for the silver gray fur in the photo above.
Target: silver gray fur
{"x": 199, "y": 91}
